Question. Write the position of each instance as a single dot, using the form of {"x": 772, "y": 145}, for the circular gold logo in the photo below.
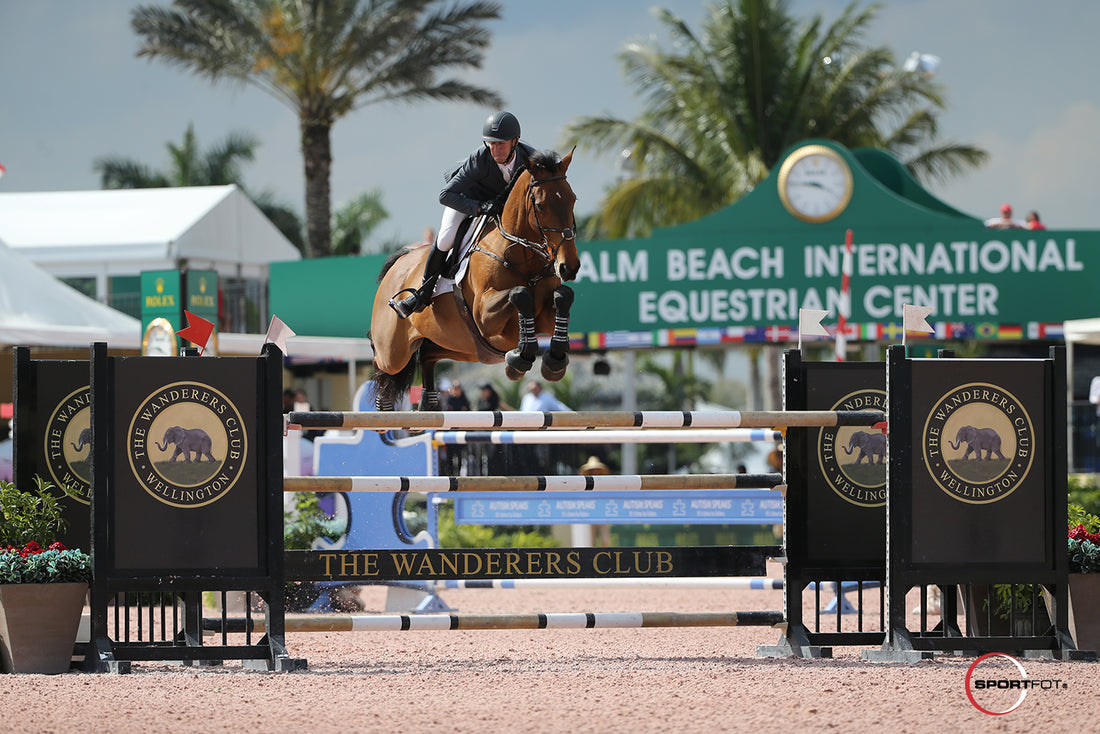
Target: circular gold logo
{"x": 853, "y": 458}
{"x": 979, "y": 443}
{"x": 69, "y": 444}
{"x": 187, "y": 444}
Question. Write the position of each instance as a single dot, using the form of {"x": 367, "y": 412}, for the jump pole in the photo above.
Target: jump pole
{"x": 682, "y": 435}
{"x": 625, "y": 483}
{"x": 588, "y": 420}
{"x": 445, "y": 622}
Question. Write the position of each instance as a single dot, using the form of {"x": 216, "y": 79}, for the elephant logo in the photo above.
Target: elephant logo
{"x": 872, "y": 446}
{"x": 187, "y": 444}
{"x": 978, "y": 440}
{"x": 68, "y": 442}
{"x": 999, "y": 439}
{"x": 853, "y": 459}
{"x": 187, "y": 441}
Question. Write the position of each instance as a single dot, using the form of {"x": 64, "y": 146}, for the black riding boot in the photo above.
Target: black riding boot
{"x": 421, "y": 297}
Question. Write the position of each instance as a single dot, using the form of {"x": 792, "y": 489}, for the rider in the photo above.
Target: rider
{"x": 474, "y": 189}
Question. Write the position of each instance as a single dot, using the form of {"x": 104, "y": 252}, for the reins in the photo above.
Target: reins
{"x": 544, "y": 249}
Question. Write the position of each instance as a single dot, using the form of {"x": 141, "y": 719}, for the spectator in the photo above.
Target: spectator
{"x": 456, "y": 398}
{"x": 301, "y": 402}
{"x": 1005, "y": 221}
{"x": 1094, "y": 398}
{"x": 489, "y": 399}
{"x": 538, "y": 399}
{"x": 1033, "y": 220}
{"x": 595, "y": 467}
{"x": 288, "y": 400}
{"x": 742, "y": 469}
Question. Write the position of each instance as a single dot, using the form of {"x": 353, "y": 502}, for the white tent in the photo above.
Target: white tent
{"x": 36, "y": 309}
{"x": 82, "y": 234}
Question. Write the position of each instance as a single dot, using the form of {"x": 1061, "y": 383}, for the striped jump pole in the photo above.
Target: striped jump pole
{"x": 443, "y": 622}
{"x": 754, "y": 584}
{"x": 626, "y": 483}
{"x": 682, "y": 435}
{"x": 588, "y": 420}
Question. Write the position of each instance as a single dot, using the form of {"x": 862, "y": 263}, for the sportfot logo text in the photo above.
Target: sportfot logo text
{"x": 187, "y": 444}
{"x": 979, "y": 443}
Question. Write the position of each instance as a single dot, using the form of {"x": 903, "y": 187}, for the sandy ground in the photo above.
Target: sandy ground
{"x": 634, "y": 680}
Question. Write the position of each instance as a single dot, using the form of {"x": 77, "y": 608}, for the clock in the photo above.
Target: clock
{"x": 815, "y": 183}
{"x": 160, "y": 339}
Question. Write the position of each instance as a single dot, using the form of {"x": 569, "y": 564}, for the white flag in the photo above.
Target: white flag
{"x": 913, "y": 318}
{"x": 278, "y": 333}
{"x": 809, "y": 322}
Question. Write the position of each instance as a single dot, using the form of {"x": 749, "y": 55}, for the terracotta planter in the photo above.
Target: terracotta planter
{"x": 38, "y": 626}
{"x": 1084, "y": 610}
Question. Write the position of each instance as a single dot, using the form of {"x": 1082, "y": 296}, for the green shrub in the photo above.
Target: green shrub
{"x": 32, "y": 516}
{"x": 484, "y": 536}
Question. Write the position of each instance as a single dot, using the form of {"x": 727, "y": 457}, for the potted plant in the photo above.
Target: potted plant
{"x": 1083, "y": 546}
{"x": 43, "y": 584}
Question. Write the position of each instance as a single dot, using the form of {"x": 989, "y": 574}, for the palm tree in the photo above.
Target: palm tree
{"x": 325, "y": 58}
{"x": 724, "y": 104}
{"x": 189, "y": 166}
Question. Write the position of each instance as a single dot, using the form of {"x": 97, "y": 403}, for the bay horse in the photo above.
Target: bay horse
{"x": 512, "y": 291}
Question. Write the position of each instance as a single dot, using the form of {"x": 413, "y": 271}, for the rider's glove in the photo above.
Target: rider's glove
{"x": 492, "y": 208}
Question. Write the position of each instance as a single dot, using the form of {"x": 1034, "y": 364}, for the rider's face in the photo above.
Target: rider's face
{"x": 502, "y": 152}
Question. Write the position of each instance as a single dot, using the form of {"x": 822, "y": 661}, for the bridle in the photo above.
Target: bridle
{"x": 547, "y": 252}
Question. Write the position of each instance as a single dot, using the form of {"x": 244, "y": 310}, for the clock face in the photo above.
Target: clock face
{"x": 815, "y": 183}
{"x": 160, "y": 339}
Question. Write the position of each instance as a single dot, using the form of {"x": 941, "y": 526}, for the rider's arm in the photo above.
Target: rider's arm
{"x": 465, "y": 190}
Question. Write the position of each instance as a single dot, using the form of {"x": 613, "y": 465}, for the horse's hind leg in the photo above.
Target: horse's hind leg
{"x": 429, "y": 396}
{"x": 556, "y": 358}
{"x": 521, "y": 359}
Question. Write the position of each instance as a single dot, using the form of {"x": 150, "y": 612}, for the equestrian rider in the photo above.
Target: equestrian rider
{"x": 476, "y": 188}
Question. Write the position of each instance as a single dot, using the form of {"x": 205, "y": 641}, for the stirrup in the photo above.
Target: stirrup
{"x": 408, "y": 306}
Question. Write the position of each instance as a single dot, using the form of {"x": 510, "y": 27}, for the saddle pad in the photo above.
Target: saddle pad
{"x": 446, "y": 285}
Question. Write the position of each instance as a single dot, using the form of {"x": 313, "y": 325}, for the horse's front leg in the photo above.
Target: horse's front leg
{"x": 521, "y": 359}
{"x": 556, "y": 358}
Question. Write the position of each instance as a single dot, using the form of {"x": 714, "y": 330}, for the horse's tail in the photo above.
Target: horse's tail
{"x": 391, "y": 388}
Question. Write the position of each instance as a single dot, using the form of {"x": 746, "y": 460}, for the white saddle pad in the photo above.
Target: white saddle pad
{"x": 446, "y": 285}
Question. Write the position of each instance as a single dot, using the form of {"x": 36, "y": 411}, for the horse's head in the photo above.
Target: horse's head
{"x": 540, "y": 212}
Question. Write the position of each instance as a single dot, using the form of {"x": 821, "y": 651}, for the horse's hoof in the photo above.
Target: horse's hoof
{"x": 513, "y": 374}
{"x": 517, "y": 361}
{"x": 554, "y": 369}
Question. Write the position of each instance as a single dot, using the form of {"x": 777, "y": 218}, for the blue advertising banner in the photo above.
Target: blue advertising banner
{"x": 654, "y": 507}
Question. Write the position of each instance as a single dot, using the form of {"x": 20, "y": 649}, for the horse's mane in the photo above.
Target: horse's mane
{"x": 546, "y": 159}
{"x": 390, "y": 261}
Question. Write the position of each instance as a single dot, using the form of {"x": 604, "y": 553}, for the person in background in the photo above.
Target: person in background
{"x": 538, "y": 399}
{"x": 288, "y": 400}
{"x": 742, "y": 469}
{"x": 489, "y": 399}
{"x": 1033, "y": 220}
{"x": 1005, "y": 221}
{"x": 456, "y": 398}
{"x": 594, "y": 467}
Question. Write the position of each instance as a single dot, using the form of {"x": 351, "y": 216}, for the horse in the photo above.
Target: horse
{"x": 512, "y": 291}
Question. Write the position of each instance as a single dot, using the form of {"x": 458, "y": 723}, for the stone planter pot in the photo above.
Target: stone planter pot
{"x": 1084, "y": 610}
{"x": 38, "y": 626}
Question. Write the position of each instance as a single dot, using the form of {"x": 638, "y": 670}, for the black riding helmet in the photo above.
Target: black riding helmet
{"x": 500, "y": 127}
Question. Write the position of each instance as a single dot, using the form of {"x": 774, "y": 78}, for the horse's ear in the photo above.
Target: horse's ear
{"x": 567, "y": 160}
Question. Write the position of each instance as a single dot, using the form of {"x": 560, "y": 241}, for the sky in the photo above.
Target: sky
{"x": 1017, "y": 74}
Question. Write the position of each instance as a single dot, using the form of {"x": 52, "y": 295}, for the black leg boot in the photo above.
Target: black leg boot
{"x": 421, "y": 298}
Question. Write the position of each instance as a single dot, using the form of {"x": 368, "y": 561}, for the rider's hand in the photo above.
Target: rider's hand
{"x": 492, "y": 208}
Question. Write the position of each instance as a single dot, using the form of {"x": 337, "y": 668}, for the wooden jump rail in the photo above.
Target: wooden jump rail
{"x": 629, "y": 482}
{"x": 588, "y": 420}
{"x": 533, "y": 621}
